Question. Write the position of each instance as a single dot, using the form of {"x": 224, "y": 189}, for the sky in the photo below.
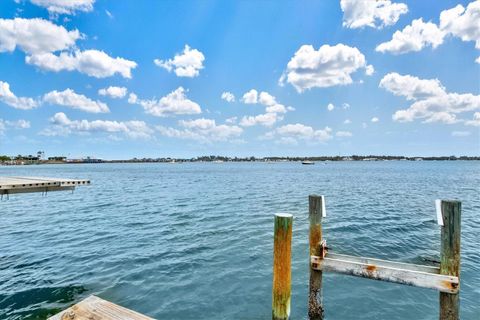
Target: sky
{"x": 124, "y": 79}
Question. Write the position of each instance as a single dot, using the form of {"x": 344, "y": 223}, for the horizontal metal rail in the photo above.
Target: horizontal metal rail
{"x": 12, "y": 185}
{"x": 397, "y": 272}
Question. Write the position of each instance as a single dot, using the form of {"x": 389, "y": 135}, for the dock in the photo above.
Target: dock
{"x": 94, "y": 308}
{"x": 12, "y": 185}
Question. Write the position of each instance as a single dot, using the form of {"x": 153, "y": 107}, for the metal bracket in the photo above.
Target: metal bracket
{"x": 323, "y": 248}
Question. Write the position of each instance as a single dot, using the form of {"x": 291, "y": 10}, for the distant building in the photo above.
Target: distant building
{"x": 57, "y": 159}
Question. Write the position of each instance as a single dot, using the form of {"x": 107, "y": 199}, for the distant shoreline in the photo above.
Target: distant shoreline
{"x": 221, "y": 159}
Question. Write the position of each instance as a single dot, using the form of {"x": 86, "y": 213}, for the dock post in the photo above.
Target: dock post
{"x": 282, "y": 255}
{"x": 450, "y": 256}
{"x": 315, "y": 212}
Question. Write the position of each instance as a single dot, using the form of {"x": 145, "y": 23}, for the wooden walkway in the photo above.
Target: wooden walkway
{"x": 94, "y": 308}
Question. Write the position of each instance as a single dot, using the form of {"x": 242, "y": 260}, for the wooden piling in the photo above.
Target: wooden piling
{"x": 315, "y": 306}
{"x": 450, "y": 256}
{"x": 282, "y": 255}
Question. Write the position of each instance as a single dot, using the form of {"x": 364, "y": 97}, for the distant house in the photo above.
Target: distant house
{"x": 57, "y": 159}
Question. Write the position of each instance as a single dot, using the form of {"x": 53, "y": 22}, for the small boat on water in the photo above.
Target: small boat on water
{"x": 307, "y": 162}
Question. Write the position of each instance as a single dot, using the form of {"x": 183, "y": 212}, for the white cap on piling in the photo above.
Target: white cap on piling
{"x": 283, "y": 215}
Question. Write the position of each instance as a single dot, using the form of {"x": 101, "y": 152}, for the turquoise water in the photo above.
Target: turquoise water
{"x": 194, "y": 241}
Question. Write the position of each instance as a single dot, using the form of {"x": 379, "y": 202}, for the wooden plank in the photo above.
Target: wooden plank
{"x": 402, "y": 273}
{"x": 316, "y": 205}
{"x": 450, "y": 256}
{"x": 282, "y": 266}
{"x": 94, "y": 308}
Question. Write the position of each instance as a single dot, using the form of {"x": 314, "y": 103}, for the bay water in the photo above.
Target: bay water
{"x": 195, "y": 240}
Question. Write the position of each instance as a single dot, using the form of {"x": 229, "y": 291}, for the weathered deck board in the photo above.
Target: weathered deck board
{"x": 397, "y": 272}
{"x": 94, "y": 308}
{"x": 12, "y": 185}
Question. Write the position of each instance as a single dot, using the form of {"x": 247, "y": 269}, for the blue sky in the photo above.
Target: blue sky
{"x": 401, "y": 78}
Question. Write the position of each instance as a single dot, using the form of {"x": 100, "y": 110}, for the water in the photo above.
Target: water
{"x": 194, "y": 241}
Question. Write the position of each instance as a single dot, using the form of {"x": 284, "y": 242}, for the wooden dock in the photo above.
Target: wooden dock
{"x": 12, "y": 185}
{"x": 94, "y": 308}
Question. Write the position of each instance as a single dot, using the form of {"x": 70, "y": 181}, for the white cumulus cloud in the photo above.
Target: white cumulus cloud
{"x": 187, "y": 64}
{"x": 291, "y": 133}
{"x": 413, "y": 37}
{"x": 326, "y": 67}
{"x": 463, "y": 22}
{"x": 267, "y": 119}
{"x": 9, "y": 98}
{"x": 113, "y": 92}
{"x": 35, "y": 36}
{"x": 374, "y": 119}
{"x": 65, "y": 6}
{"x": 94, "y": 63}
{"x": 202, "y": 130}
{"x": 458, "y": 22}
{"x": 330, "y": 107}
{"x": 273, "y": 109}
{"x": 371, "y": 13}
{"x": 69, "y": 98}
{"x": 250, "y": 97}
{"x": 228, "y": 96}
{"x": 62, "y": 125}
{"x": 18, "y": 124}
{"x": 431, "y": 101}
{"x": 175, "y": 103}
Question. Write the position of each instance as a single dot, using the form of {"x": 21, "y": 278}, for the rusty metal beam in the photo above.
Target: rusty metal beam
{"x": 397, "y": 272}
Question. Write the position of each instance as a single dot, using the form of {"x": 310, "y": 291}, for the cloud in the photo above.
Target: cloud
{"x": 291, "y": 133}
{"x": 347, "y": 121}
{"x": 62, "y": 125}
{"x": 69, "y": 98}
{"x": 460, "y": 133}
{"x": 431, "y": 101}
{"x": 369, "y": 70}
{"x": 272, "y": 109}
{"x": 250, "y": 97}
{"x": 94, "y": 63}
{"x": 411, "y": 87}
{"x": 65, "y": 7}
{"x": 113, "y": 92}
{"x": 476, "y": 120}
{"x": 371, "y": 13}
{"x": 267, "y": 119}
{"x": 35, "y": 36}
{"x": 202, "y": 130}
{"x": 9, "y": 98}
{"x": 477, "y": 60}
{"x": 413, "y": 37}
{"x": 374, "y": 119}
{"x": 228, "y": 96}
{"x": 231, "y": 120}
{"x": 343, "y": 134}
{"x": 463, "y": 22}
{"x": 330, "y": 107}
{"x": 175, "y": 103}
{"x": 458, "y": 22}
{"x": 19, "y": 124}
{"x": 326, "y": 67}
{"x": 188, "y": 64}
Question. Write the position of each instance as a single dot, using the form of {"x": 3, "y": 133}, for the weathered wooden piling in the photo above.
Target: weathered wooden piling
{"x": 282, "y": 256}
{"x": 450, "y": 256}
{"x": 315, "y": 208}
